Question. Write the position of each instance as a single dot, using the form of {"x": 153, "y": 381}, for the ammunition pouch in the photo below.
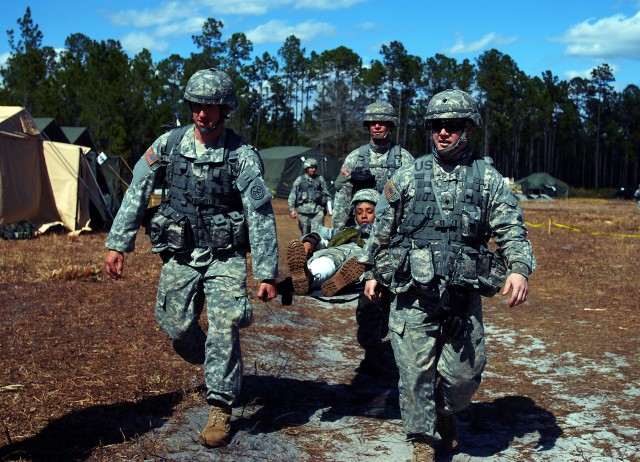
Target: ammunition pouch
{"x": 421, "y": 264}
{"x": 227, "y": 229}
{"x": 170, "y": 230}
{"x": 483, "y": 271}
{"x": 391, "y": 268}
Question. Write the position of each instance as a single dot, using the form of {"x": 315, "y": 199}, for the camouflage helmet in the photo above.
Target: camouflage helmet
{"x": 310, "y": 162}
{"x": 365, "y": 195}
{"x": 379, "y": 112}
{"x": 211, "y": 86}
{"x": 453, "y": 104}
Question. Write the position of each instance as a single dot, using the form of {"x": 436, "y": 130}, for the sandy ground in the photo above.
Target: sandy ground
{"x": 326, "y": 410}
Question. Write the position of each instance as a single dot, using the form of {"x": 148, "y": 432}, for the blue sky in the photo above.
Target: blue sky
{"x": 566, "y": 37}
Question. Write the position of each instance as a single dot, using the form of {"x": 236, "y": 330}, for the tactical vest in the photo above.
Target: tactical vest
{"x": 361, "y": 176}
{"x": 455, "y": 236}
{"x": 211, "y": 204}
{"x": 313, "y": 190}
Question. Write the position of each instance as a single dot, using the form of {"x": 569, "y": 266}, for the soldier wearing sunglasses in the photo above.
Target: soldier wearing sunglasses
{"x": 429, "y": 246}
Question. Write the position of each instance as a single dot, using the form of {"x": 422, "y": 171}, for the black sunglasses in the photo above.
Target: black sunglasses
{"x": 449, "y": 125}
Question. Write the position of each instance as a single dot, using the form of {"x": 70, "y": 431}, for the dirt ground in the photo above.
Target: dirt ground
{"x": 85, "y": 374}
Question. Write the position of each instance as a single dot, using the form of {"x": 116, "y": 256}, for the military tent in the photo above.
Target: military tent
{"x": 42, "y": 181}
{"x": 79, "y": 136}
{"x": 543, "y": 183}
{"x": 283, "y": 164}
{"x": 25, "y": 191}
{"x": 50, "y": 129}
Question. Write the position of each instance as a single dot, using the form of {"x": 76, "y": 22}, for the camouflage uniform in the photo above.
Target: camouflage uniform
{"x": 439, "y": 371}
{"x": 378, "y": 163}
{"x": 636, "y": 196}
{"x": 198, "y": 274}
{"x": 309, "y": 194}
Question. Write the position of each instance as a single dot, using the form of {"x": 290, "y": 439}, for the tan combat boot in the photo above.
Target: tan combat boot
{"x": 447, "y": 428}
{"x": 218, "y": 428}
{"x": 297, "y": 262}
{"x": 349, "y": 273}
{"x": 423, "y": 450}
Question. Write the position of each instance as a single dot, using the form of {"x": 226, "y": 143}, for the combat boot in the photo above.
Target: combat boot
{"x": 423, "y": 450}
{"x": 447, "y": 428}
{"x": 349, "y": 273}
{"x": 297, "y": 261}
{"x": 218, "y": 428}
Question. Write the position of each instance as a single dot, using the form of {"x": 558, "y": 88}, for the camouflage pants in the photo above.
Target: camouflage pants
{"x": 437, "y": 373}
{"x": 373, "y": 321}
{"x": 182, "y": 292}
{"x": 308, "y": 222}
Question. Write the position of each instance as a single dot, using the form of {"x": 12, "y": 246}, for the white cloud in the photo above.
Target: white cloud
{"x": 166, "y": 13}
{"x": 186, "y": 27}
{"x": 325, "y": 4}
{"x": 586, "y": 73}
{"x": 3, "y": 58}
{"x": 485, "y": 42}
{"x": 368, "y": 26}
{"x": 133, "y": 43}
{"x": 277, "y": 31}
{"x": 261, "y": 7}
{"x": 613, "y": 37}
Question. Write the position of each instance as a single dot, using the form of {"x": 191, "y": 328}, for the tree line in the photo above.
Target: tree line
{"x": 581, "y": 131}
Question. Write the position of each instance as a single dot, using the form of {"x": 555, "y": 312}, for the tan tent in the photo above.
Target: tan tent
{"x": 25, "y": 191}
{"x": 44, "y": 182}
{"x": 74, "y": 187}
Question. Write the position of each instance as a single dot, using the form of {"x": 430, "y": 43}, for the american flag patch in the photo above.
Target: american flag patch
{"x": 150, "y": 156}
{"x": 389, "y": 190}
{"x": 346, "y": 171}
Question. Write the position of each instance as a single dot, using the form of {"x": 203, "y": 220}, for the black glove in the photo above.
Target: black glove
{"x": 452, "y": 311}
{"x": 457, "y": 327}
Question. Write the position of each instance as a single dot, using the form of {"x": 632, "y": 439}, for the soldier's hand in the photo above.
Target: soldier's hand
{"x": 518, "y": 286}
{"x": 114, "y": 264}
{"x": 370, "y": 290}
{"x": 293, "y": 214}
{"x": 267, "y": 290}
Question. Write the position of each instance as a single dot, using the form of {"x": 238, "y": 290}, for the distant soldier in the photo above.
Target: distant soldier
{"x": 309, "y": 195}
{"x": 636, "y": 196}
{"x": 372, "y": 164}
{"x": 218, "y": 209}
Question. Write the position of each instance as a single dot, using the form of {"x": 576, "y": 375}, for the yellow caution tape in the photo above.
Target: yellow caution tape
{"x": 578, "y": 230}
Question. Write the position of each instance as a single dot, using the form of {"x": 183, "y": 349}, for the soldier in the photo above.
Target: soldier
{"x": 372, "y": 164}
{"x": 309, "y": 194}
{"x": 218, "y": 209}
{"x": 636, "y": 196}
{"x": 430, "y": 246}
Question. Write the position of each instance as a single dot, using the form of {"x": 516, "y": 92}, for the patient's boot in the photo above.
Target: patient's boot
{"x": 349, "y": 273}
{"x": 297, "y": 261}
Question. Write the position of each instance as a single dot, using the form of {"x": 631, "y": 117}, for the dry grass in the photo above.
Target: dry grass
{"x": 83, "y": 365}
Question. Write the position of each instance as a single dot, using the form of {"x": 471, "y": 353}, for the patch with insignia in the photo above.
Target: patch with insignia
{"x": 150, "y": 156}
{"x": 257, "y": 192}
{"x": 346, "y": 171}
{"x": 389, "y": 190}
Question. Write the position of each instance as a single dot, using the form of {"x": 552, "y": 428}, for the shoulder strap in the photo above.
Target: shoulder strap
{"x": 174, "y": 138}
